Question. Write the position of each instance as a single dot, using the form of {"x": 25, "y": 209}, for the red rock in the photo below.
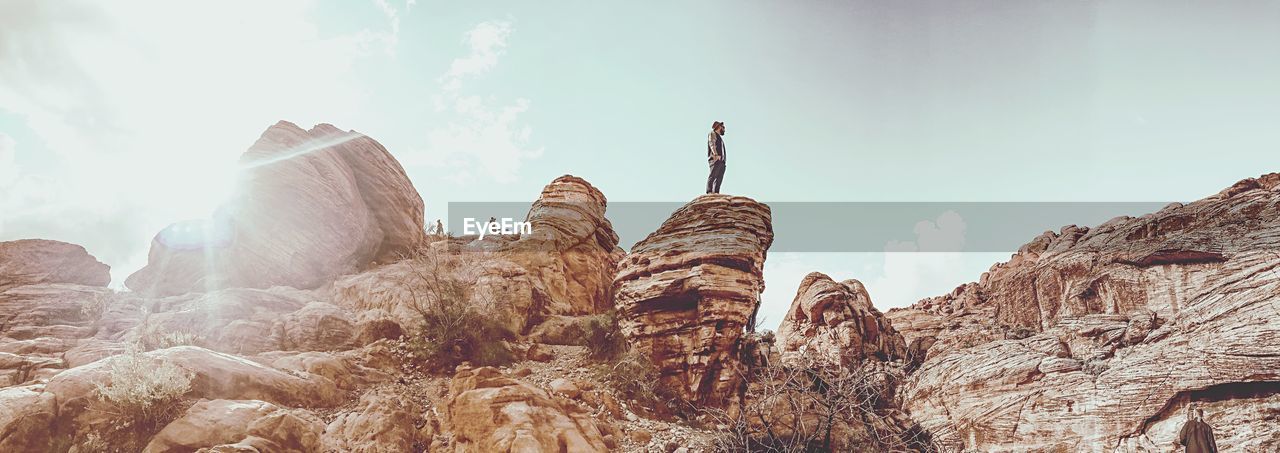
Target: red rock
{"x": 1099, "y": 336}
{"x": 687, "y": 291}
{"x": 837, "y": 322}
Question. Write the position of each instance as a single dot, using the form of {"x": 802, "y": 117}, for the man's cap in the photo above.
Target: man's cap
{"x": 717, "y": 124}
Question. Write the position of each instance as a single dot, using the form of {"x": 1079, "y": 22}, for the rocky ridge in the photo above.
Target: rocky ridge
{"x": 1097, "y": 339}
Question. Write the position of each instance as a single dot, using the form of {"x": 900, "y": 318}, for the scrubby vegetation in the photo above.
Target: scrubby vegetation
{"x": 152, "y": 336}
{"x": 457, "y": 324}
{"x": 808, "y": 406}
{"x": 603, "y": 337}
{"x": 144, "y": 394}
{"x": 635, "y": 378}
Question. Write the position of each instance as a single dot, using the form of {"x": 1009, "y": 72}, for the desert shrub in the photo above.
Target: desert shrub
{"x": 144, "y": 394}
{"x": 809, "y": 406}
{"x": 603, "y": 337}
{"x": 456, "y": 323}
{"x": 635, "y": 378}
{"x": 153, "y": 340}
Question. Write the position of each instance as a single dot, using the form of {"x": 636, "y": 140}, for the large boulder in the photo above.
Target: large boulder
{"x": 688, "y": 290}
{"x": 381, "y": 422}
{"x": 489, "y": 412}
{"x": 25, "y": 416}
{"x": 310, "y": 206}
{"x": 38, "y": 261}
{"x": 837, "y": 322}
{"x": 1098, "y": 338}
{"x": 255, "y": 424}
{"x": 213, "y": 375}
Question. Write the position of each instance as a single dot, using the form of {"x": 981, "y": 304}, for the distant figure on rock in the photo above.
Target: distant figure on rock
{"x": 715, "y": 156}
{"x": 1197, "y": 435}
{"x": 439, "y": 227}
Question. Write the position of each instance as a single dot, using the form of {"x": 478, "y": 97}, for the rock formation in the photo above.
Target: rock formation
{"x": 564, "y": 267}
{"x": 490, "y": 412}
{"x": 837, "y": 322}
{"x": 687, "y": 291}
{"x": 39, "y": 261}
{"x": 572, "y": 250}
{"x": 310, "y": 206}
{"x": 1097, "y": 338}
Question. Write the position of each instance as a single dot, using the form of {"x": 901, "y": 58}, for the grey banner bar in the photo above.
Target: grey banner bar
{"x": 863, "y": 226}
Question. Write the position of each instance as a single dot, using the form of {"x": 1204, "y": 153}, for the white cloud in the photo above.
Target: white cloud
{"x": 481, "y": 137}
{"x": 144, "y": 105}
{"x": 487, "y": 41}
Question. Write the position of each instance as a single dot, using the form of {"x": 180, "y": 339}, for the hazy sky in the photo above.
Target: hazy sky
{"x": 117, "y": 118}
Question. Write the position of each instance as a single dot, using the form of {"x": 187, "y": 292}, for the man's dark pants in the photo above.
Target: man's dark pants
{"x": 716, "y": 177}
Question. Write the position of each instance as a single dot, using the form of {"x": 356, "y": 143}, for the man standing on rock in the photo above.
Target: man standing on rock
{"x": 715, "y": 157}
{"x": 1197, "y": 435}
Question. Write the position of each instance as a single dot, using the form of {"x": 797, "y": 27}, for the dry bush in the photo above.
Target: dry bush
{"x": 144, "y": 394}
{"x": 151, "y": 336}
{"x": 457, "y": 322}
{"x": 635, "y": 378}
{"x": 809, "y": 406}
{"x": 603, "y": 336}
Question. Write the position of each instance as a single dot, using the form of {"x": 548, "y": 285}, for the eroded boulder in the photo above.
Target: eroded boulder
{"x": 312, "y": 205}
{"x": 687, "y": 291}
{"x": 490, "y": 412}
{"x": 837, "y": 322}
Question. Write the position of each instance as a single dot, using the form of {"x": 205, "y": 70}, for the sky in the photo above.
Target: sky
{"x": 118, "y": 118}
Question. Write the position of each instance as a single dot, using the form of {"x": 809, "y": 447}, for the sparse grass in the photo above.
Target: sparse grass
{"x": 144, "y": 394}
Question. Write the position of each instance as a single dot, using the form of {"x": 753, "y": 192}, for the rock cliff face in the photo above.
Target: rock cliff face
{"x": 837, "y": 322}
{"x": 311, "y": 206}
{"x": 1097, "y": 339}
{"x": 37, "y": 261}
{"x": 686, "y": 292}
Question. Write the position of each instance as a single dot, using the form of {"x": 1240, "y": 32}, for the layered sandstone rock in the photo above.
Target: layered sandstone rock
{"x": 564, "y": 267}
{"x": 837, "y": 322}
{"x": 40, "y": 261}
{"x": 687, "y": 291}
{"x": 490, "y": 412}
{"x": 380, "y": 423}
{"x": 1097, "y": 339}
{"x": 310, "y": 206}
{"x": 572, "y": 249}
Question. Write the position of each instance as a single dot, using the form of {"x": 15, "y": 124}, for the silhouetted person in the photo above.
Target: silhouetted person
{"x": 439, "y": 227}
{"x": 715, "y": 157}
{"x": 1197, "y": 435}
